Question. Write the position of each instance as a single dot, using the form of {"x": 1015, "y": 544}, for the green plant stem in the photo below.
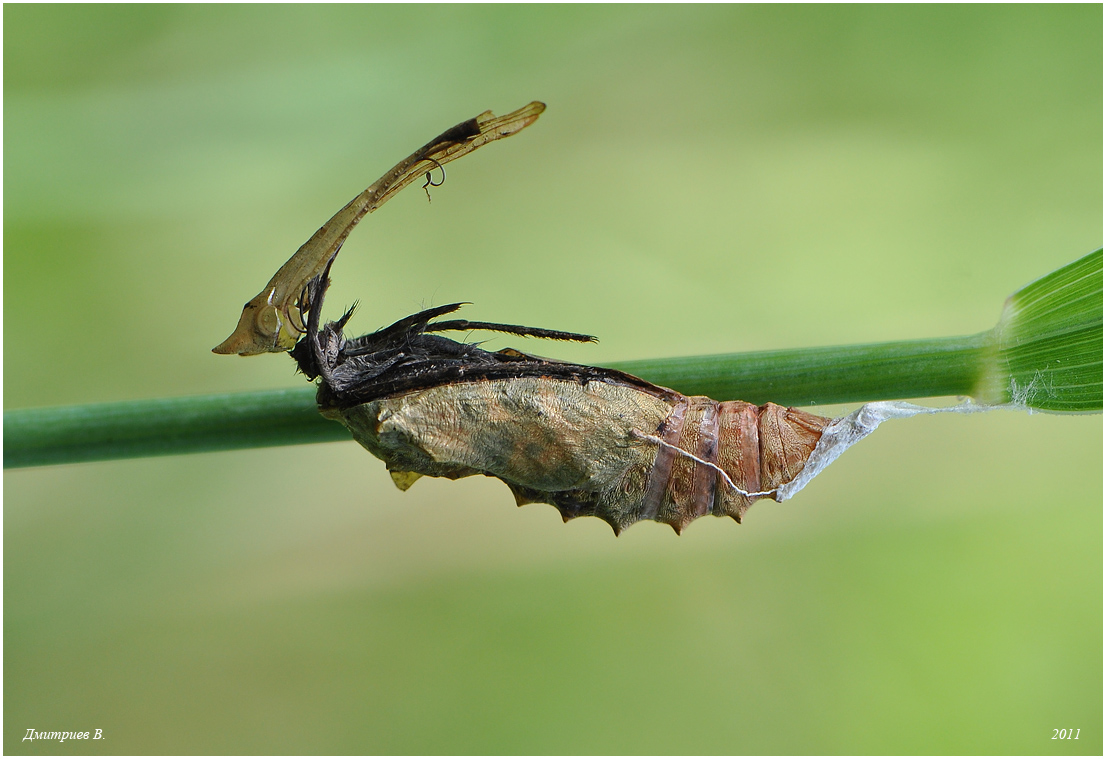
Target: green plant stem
{"x": 129, "y": 429}
{"x": 194, "y": 424}
{"x": 819, "y": 376}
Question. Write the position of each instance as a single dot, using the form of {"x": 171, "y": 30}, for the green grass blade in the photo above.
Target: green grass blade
{"x": 1046, "y": 352}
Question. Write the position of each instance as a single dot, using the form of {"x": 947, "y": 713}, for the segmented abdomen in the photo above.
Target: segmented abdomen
{"x": 756, "y": 448}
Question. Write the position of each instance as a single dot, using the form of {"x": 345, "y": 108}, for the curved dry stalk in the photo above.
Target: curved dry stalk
{"x": 272, "y": 321}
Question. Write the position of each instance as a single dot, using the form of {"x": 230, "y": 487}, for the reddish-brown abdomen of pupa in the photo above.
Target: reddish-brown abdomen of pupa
{"x": 759, "y": 449}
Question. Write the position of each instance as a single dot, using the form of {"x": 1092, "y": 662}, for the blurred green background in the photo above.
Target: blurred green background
{"x": 706, "y": 179}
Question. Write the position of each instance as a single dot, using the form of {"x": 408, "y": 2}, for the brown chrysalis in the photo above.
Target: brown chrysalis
{"x": 588, "y": 440}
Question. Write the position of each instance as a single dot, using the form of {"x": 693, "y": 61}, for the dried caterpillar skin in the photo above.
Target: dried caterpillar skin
{"x": 590, "y": 448}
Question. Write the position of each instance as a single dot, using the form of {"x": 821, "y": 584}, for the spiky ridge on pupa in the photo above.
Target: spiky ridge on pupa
{"x": 591, "y": 449}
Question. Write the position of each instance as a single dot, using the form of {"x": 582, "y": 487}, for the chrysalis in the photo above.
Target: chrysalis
{"x": 588, "y": 440}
